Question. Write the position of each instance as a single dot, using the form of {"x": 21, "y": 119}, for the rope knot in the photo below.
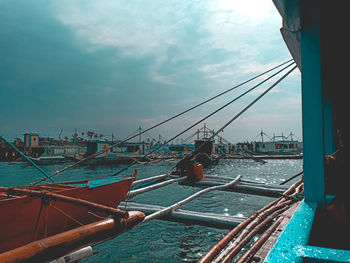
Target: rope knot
{"x": 10, "y": 191}
{"x": 45, "y": 198}
{"x": 122, "y": 223}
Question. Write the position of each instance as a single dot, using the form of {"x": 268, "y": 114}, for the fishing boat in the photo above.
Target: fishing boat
{"x": 39, "y": 211}
{"x": 277, "y": 145}
{"x": 204, "y": 155}
{"x": 317, "y": 228}
{"x": 205, "y": 147}
{"x": 314, "y": 34}
{"x": 48, "y": 160}
{"x": 58, "y": 154}
{"x": 125, "y": 153}
{"x": 48, "y": 221}
{"x": 40, "y": 150}
{"x": 308, "y": 231}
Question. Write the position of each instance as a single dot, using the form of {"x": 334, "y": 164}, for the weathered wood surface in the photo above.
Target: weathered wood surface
{"x": 262, "y": 239}
{"x": 262, "y": 253}
{"x": 233, "y": 249}
{"x": 187, "y": 217}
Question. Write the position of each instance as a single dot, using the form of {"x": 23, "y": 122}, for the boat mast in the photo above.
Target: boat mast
{"x": 140, "y": 130}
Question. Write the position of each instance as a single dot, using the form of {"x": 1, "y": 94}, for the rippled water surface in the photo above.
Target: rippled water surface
{"x": 161, "y": 241}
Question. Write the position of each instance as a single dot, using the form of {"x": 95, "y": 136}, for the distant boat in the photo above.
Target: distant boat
{"x": 59, "y": 154}
{"x": 70, "y": 150}
{"x": 125, "y": 153}
{"x": 54, "y": 155}
{"x": 276, "y": 146}
{"x": 204, "y": 148}
{"x": 46, "y": 160}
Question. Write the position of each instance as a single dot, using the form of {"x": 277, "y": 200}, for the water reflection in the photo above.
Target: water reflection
{"x": 160, "y": 241}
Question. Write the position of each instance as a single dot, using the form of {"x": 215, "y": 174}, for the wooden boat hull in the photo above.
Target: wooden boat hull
{"x": 25, "y": 219}
{"x": 48, "y": 160}
{"x": 114, "y": 159}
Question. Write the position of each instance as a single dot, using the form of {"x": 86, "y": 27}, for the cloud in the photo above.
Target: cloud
{"x": 135, "y": 28}
{"x": 133, "y": 62}
{"x": 233, "y": 24}
{"x": 193, "y": 31}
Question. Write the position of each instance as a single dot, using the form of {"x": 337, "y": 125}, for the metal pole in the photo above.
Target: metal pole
{"x": 25, "y": 157}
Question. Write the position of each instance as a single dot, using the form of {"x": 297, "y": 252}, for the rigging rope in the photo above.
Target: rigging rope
{"x": 214, "y": 112}
{"x": 160, "y": 123}
{"x": 250, "y": 104}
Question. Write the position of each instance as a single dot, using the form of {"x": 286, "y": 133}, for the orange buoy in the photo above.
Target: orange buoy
{"x": 198, "y": 171}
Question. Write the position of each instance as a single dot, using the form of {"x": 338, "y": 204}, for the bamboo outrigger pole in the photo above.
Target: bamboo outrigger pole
{"x": 149, "y": 179}
{"x": 215, "y": 250}
{"x": 253, "y": 249}
{"x": 63, "y": 243}
{"x": 242, "y": 240}
{"x": 291, "y": 178}
{"x": 188, "y": 217}
{"x": 256, "y": 159}
{"x": 155, "y": 186}
{"x": 188, "y": 199}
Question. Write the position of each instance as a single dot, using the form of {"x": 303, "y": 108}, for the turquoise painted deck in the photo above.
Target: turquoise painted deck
{"x": 303, "y": 23}
{"x": 99, "y": 182}
{"x": 292, "y": 245}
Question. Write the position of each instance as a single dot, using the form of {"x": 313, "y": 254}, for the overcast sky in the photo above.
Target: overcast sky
{"x": 111, "y": 66}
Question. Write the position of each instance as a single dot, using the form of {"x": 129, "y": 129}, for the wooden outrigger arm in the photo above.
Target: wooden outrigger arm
{"x": 72, "y": 200}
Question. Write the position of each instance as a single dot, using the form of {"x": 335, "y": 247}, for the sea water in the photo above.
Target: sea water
{"x": 161, "y": 241}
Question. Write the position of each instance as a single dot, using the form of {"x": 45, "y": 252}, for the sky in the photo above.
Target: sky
{"x": 110, "y": 66}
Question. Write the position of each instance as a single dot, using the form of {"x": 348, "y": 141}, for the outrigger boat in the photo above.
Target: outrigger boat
{"x": 36, "y": 212}
{"x": 39, "y": 211}
{"x": 310, "y": 231}
{"x": 317, "y": 229}
{"x": 44, "y": 222}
